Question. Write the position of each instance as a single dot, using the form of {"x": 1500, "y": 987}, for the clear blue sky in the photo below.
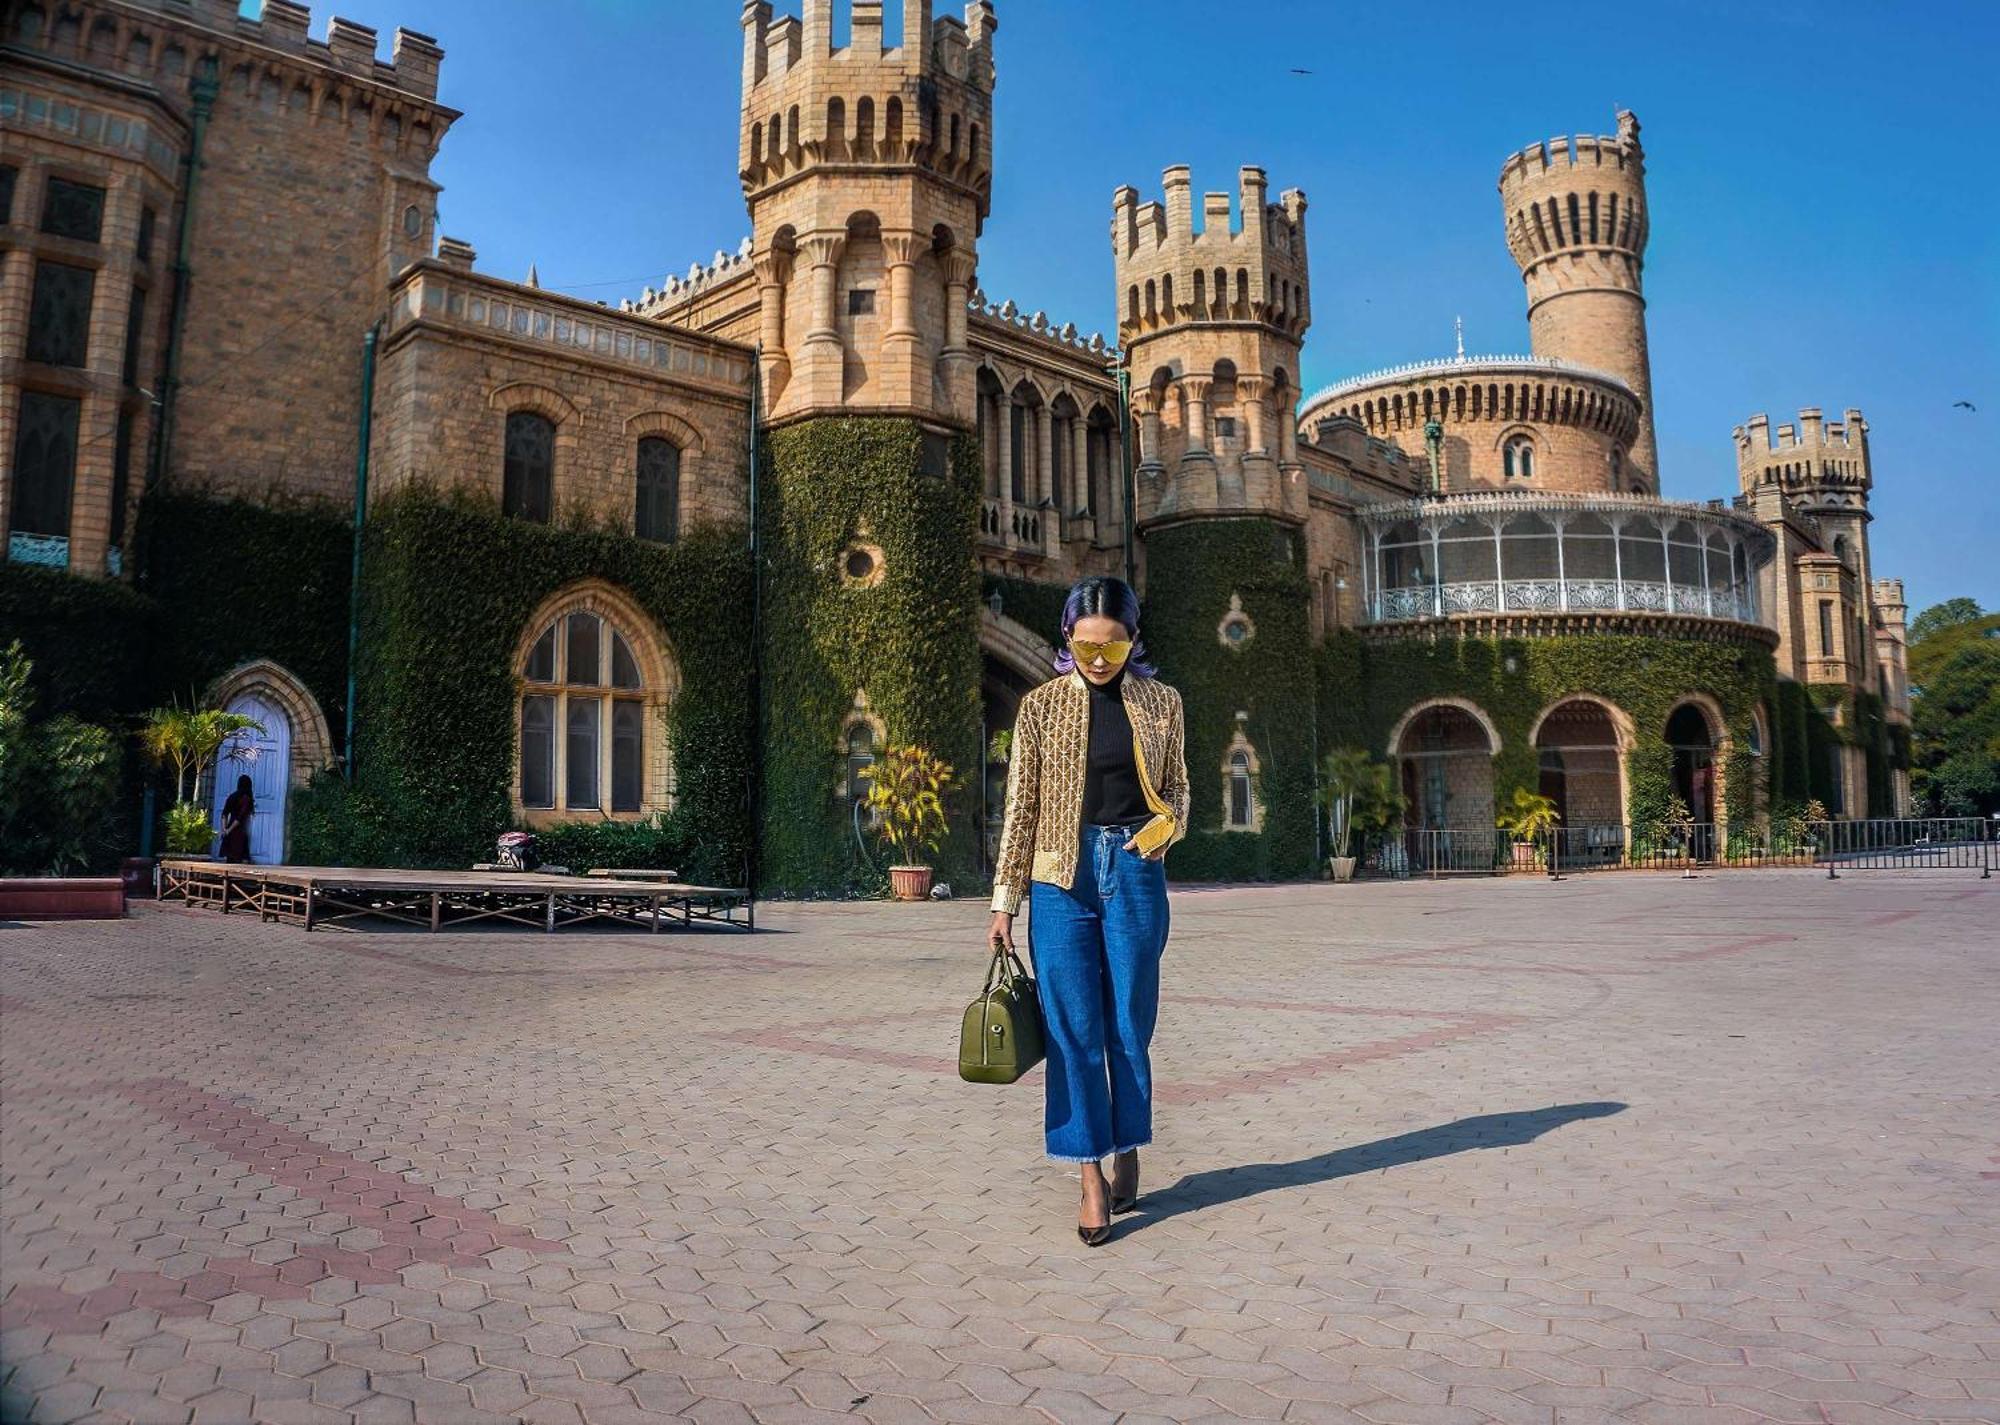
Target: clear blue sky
{"x": 1820, "y": 177}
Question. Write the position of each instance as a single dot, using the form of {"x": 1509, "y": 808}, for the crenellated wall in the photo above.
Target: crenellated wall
{"x": 868, "y": 172}
{"x": 1575, "y": 211}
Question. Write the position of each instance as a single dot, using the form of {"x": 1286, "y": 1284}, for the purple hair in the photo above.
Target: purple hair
{"x": 1102, "y": 595}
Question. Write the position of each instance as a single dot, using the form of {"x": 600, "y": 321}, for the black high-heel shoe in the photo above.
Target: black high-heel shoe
{"x": 1121, "y": 1205}
{"x": 1094, "y": 1236}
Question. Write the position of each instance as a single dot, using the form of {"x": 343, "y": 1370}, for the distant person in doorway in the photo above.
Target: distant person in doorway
{"x": 236, "y": 812}
{"x": 1097, "y": 791}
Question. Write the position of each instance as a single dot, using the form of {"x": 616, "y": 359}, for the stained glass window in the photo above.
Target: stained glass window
{"x": 59, "y": 314}
{"x": 527, "y": 490}
{"x": 659, "y": 495}
{"x": 44, "y": 463}
{"x": 72, "y": 210}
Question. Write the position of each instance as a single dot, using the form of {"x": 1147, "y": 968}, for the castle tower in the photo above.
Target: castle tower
{"x": 1576, "y": 223}
{"x": 868, "y": 173}
{"x": 1821, "y": 469}
{"x": 1212, "y": 321}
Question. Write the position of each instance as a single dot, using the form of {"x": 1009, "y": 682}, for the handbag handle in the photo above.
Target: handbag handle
{"x": 1004, "y": 966}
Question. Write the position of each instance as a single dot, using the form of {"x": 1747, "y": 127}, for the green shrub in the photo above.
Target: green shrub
{"x": 59, "y": 780}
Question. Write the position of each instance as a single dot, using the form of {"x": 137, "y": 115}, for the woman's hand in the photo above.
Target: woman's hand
{"x": 1157, "y": 855}
{"x": 1002, "y": 930}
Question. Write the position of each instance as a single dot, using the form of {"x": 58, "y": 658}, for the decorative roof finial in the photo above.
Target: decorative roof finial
{"x": 1458, "y": 326}
{"x": 534, "y": 277}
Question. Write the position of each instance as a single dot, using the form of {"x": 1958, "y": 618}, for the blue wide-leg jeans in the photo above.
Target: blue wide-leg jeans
{"x": 1097, "y": 949}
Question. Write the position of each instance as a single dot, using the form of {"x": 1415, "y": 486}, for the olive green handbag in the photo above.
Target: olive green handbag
{"x": 1002, "y": 1035}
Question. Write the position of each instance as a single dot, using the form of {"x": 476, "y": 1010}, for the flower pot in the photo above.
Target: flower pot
{"x": 1526, "y": 855}
{"x": 1343, "y": 867}
{"x": 910, "y": 883}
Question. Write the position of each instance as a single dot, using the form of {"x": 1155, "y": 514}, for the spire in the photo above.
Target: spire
{"x": 1458, "y": 326}
{"x": 534, "y": 277}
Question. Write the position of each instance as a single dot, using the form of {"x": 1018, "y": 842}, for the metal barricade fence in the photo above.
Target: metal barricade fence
{"x": 1909, "y": 843}
{"x": 1929, "y": 843}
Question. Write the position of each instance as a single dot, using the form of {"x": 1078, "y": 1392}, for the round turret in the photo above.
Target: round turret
{"x": 1576, "y": 218}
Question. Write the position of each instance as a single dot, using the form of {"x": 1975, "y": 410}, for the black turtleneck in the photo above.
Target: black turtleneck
{"x": 1111, "y": 792}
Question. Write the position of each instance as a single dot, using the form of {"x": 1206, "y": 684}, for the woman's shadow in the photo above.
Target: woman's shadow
{"x": 1488, "y": 1130}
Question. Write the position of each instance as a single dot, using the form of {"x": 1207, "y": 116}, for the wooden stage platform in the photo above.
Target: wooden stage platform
{"x": 317, "y": 896}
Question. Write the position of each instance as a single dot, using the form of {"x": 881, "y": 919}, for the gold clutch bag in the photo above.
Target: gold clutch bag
{"x": 1154, "y": 834}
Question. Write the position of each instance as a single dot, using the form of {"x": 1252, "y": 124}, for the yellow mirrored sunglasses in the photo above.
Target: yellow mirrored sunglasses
{"x": 1114, "y": 652}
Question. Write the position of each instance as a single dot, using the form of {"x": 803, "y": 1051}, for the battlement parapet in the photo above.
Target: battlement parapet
{"x": 1815, "y": 454}
{"x": 924, "y": 102}
{"x": 1245, "y": 264}
{"x": 1561, "y": 156}
{"x": 701, "y": 278}
{"x": 283, "y": 26}
{"x": 1460, "y": 366}
{"x": 1039, "y": 326}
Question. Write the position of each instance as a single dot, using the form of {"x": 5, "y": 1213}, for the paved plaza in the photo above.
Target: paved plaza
{"x": 1629, "y": 1147}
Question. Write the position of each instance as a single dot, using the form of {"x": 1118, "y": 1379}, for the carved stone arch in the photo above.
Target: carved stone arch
{"x": 1465, "y": 705}
{"x": 1621, "y": 721}
{"x": 312, "y": 741}
{"x": 665, "y": 423}
{"x": 1017, "y": 646}
{"x": 528, "y": 396}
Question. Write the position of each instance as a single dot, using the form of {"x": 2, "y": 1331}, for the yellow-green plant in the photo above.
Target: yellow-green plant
{"x": 1358, "y": 792}
{"x": 906, "y": 790}
{"x": 190, "y": 738}
{"x": 1530, "y": 816}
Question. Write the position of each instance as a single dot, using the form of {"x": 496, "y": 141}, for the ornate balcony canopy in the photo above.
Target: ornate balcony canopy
{"x": 1523, "y": 552}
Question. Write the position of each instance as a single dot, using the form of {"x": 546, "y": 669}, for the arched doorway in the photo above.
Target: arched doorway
{"x": 1578, "y": 748}
{"x": 265, "y": 757}
{"x": 1445, "y": 755}
{"x": 1692, "y": 742}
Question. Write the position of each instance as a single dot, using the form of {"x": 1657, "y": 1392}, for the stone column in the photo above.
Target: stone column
{"x": 1146, "y": 406}
{"x": 957, "y": 359}
{"x": 1003, "y": 432}
{"x": 1045, "y": 470}
{"x": 1250, "y": 391}
{"x": 906, "y": 376}
{"x": 1079, "y": 465}
{"x": 1196, "y": 389}
{"x": 820, "y": 354}
{"x": 774, "y": 270}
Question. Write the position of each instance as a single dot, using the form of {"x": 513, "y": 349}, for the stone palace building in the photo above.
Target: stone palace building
{"x": 700, "y": 555}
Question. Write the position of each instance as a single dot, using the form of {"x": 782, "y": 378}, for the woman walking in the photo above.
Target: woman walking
{"x": 1096, "y": 792}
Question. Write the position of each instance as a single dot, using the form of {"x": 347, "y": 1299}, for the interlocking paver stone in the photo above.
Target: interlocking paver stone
{"x": 1618, "y": 1148}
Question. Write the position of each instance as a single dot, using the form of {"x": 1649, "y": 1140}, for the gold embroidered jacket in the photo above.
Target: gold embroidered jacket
{"x": 1045, "y": 772}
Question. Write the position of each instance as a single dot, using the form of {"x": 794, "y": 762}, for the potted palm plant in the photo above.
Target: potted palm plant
{"x": 1673, "y": 830}
{"x": 906, "y": 791}
{"x": 190, "y": 739}
{"x": 1529, "y": 818}
{"x": 1359, "y": 794}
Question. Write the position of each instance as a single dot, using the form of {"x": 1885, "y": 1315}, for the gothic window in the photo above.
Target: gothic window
{"x": 1239, "y": 788}
{"x": 135, "y": 328}
{"x": 1519, "y": 458}
{"x": 72, "y": 210}
{"x": 59, "y": 314}
{"x": 658, "y": 516}
{"x": 1826, "y": 628}
{"x": 583, "y": 718}
{"x": 528, "y": 481}
{"x": 44, "y": 463}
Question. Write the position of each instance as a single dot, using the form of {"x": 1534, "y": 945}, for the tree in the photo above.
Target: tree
{"x": 1955, "y": 711}
{"x": 1943, "y": 616}
{"x": 58, "y": 784}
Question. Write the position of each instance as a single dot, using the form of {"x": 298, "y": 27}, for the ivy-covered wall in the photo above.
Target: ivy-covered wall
{"x": 90, "y": 641}
{"x": 1193, "y": 570}
{"x": 1365, "y": 686}
{"x": 910, "y": 638}
{"x": 448, "y": 585}
{"x": 236, "y": 582}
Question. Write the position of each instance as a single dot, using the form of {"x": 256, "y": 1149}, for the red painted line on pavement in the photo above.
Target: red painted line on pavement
{"x": 1716, "y": 952}
{"x": 1460, "y": 1026}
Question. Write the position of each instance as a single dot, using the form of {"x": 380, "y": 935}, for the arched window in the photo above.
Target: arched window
{"x": 860, "y": 755}
{"x": 1239, "y": 788}
{"x": 658, "y": 513}
{"x": 583, "y": 718}
{"x": 1519, "y": 458}
{"x": 528, "y": 484}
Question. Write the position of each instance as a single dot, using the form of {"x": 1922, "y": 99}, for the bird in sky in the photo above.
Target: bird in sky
{"x": 1966, "y": 404}
{"x": 1302, "y": 71}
